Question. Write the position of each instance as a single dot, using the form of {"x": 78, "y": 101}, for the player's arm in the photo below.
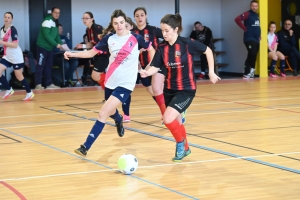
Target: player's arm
{"x": 239, "y": 20}
{"x": 82, "y": 54}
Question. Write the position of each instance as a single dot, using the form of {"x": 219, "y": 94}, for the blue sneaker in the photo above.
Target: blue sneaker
{"x": 180, "y": 152}
{"x": 183, "y": 114}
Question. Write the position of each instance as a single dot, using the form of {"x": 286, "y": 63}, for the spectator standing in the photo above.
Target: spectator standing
{"x": 48, "y": 38}
{"x": 252, "y": 32}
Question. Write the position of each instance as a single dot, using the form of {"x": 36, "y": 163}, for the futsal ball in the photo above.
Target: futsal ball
{"x": 128, "y": 164}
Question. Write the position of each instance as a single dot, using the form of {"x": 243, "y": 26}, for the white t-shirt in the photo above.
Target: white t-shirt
{"x": 123, "y": 61}
{"x": 12, "y": 55}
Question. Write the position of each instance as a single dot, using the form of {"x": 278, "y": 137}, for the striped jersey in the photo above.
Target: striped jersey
{"x": 178, "y": 61}
{"x": 12, "y": 55}
{"x": 123, "y": 61}
{"x": 150, "y": 34}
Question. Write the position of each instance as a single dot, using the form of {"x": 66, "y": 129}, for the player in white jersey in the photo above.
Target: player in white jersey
{"x": 13, "y": 57}
{"x": 124, "y": 48}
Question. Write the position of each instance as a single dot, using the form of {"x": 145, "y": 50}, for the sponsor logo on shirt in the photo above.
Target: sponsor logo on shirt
{"x": 146, "y": 37}
{"x": 174, "y": 65}
{"x": 256, "y": 23}
{"x": 177, "y": 54}
{"x": 130, "y": 44}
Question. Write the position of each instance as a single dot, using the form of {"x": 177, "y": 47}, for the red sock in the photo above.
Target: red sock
{"x": 175, "y": 129}
{"x": 183, "y": 131}
{"x": 101, "y": 81}
{"x": 160, "y": 100}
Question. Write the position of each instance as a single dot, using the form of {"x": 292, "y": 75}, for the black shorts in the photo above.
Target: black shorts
{"x": 101, "y": 62}
{"x": 180, "y": 100}
{"x": 163, "y": 71}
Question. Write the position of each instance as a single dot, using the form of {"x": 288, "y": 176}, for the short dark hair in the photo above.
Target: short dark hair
{"x": 173, "y": 21}
{"x": 53, "y": 8}
{"x": 254, "y": 1}
{"x": 197, "y": 22}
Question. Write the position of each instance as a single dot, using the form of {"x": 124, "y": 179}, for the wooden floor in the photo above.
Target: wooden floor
{"x": 244, "y": 136}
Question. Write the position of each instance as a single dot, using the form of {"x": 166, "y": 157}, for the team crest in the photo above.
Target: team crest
{"x": 177, "y": 53}
{"x": 146, "y": 37}
{"x": 130, "y": 44}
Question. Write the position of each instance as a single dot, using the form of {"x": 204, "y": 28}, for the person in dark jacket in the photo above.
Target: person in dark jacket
{"x": 204, "y": 35}
{"x": 287, "y": 44}
{"x": 251, "y": 27}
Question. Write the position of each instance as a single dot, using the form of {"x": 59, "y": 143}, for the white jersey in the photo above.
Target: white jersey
{"x": 123, "y": 61}
{"x": 12, "y": 55}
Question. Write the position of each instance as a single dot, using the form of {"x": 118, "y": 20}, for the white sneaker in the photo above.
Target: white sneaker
{"x": 52, "y": 86}
{"x": 8, "y": 93}
{"x": 39, "y": 87}
{"x": 28, "y": 96}
{"x": 252, "y": 73}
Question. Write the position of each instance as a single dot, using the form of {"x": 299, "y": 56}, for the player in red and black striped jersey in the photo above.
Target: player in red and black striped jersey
{"x": 93, "y": 32}
{"x": 152, "y": 34}
{"x": 175, "y": 55}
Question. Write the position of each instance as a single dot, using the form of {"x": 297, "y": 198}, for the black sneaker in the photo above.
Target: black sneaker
{"x": 81, "y": 151}
{"x": 120, "y": 127}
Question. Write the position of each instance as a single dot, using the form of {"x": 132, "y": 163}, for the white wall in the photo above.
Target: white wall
{"x": 19, "y": 9}
{"x": 102, "y": 11}
{"x": 233, "y": 44}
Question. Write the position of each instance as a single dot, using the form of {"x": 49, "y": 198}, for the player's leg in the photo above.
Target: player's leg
{"x": 18, "y": 70}
{"x": 9, "y": 91}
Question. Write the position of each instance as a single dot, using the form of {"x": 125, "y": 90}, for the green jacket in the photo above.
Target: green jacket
{"x": 48, "y": 36}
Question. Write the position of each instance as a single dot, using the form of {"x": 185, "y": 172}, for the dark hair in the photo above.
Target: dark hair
{"x": 59, "y": 25}
{"x": 197, "y": 22}
{"x": 143, "y": 9}
{"x": 116, "y": 14}
{"x": 91, "y": 15}
{"x": 173, "y": 21}
{"x": 253, "y": 2}
{"x": 108, "y": 29}
{"x": 140, "y": 8}
{"x": 271, "y": 23}
{"x": 52, "y": 10}
{"x": 129, "y": 21}
{"x": 12, "y": 16}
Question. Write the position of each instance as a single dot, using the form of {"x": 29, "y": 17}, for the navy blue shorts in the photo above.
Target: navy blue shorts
{"x": 9, "y": 64}
{"x": 119, "y": 92}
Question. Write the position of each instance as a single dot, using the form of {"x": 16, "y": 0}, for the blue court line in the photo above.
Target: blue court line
{"x": 102, "y": 165}
{"x": 214, "y": 150}
{"x": 201, "y": 147}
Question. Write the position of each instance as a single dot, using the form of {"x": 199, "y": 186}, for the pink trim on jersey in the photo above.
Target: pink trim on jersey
{"x": 6, "y": 39}
{"x": 98, "y": 51}
{"x": 15, "y": 41}
{"x": 123, "y": 53}
{"x": 274, "y": 42}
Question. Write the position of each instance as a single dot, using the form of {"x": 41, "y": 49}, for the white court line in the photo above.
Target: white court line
{"x": 146, "y": 167}
{"x": 140, "y": 108}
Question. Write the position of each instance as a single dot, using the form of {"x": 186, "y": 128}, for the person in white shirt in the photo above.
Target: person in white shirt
{"x": 273, "y": 53}
{"x": 124, "y": 48}
{"x": 13, "y": 57}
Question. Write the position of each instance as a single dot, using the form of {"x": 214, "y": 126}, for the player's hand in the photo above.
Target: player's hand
{"x": 291, "y": 32}
{"x": 213, "y": 77}
{"x": 67, "y": 54}
{"x": 143, "y": 73}
{"x": 58, "y": 46}
{"x": 147, "y": 67}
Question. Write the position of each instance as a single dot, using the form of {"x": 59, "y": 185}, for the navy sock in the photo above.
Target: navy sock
{"x": 282, "y": 66}
{"x": 126, "y": 106}
{"x": 116, "y": 116}
{"x": 272, "y": 67}
{"x": 95, "y": 132}
{"x": 26, "y": 85}
{"x": 4, "y": 82}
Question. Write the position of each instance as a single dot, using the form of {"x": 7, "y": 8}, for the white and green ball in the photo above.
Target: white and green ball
{"x": 128, "y": 164}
